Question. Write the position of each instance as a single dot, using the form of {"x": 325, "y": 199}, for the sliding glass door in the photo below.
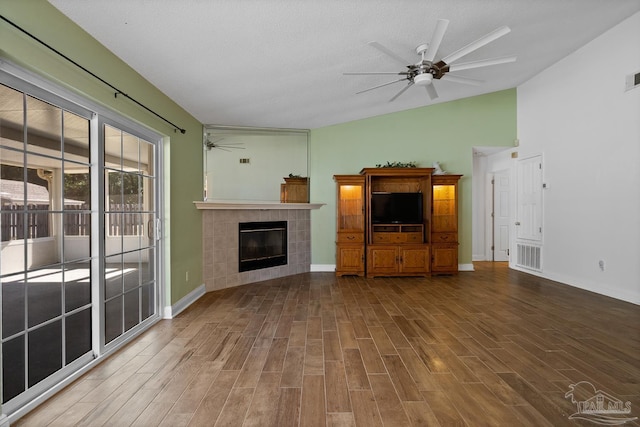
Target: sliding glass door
{"x": 79, "y": 242}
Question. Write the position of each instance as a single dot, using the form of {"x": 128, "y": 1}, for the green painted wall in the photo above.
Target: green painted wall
{"x": 183, "y": 173}
{"x": 443, "y": 132}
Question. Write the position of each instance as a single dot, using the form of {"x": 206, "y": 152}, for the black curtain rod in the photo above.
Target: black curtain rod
{"x": 118, "y": 91}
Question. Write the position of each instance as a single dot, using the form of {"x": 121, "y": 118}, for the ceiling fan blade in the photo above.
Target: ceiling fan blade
{"x": 494, "y": 35}
{"x": 431, "y": 91}
{"x": 389, "y": 53}
{"x": 463, "y": 80}
{"x": 229, "y": 146}
{"x": 401, "y": 91}
{"x": 376, "y": 87}
{"x": 482, "y": 63}
{"x": 402, "y": 73}
{"x": 436, "y": 39}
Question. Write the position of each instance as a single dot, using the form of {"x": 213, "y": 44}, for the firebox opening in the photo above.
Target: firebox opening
{"x": 262, "y": 245}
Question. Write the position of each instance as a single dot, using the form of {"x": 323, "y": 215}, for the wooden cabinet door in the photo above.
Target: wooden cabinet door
{"x": 414, "y": 259}
{"x": 350, "y": 224}
{"x": 445, "y": 258}
{"x": 350, "y": 217}
{"x": 349, "y": 259}
{"x": 382, "y": 260}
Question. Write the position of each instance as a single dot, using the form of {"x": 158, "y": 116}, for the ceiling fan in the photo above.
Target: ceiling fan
{"x": 211, "y": 142}
{"x": 427, "y": 69}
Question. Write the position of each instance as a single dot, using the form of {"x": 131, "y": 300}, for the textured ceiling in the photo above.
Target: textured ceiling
{"x": 280, "y": 63}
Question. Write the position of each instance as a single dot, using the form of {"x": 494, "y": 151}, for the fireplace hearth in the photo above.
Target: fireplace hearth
{"x": 262, "y": 244}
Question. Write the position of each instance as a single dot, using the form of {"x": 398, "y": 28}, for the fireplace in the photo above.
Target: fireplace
{"x": 262, "y": 244}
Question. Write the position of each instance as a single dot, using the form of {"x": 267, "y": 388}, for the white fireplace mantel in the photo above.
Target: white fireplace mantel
{"x": 254, "y": 204}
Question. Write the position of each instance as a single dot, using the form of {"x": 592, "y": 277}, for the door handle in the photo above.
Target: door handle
{"x": 517, "y": 222}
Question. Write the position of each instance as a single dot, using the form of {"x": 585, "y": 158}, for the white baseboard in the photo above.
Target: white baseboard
{"x": 323, "y": 268}
{"x": 633, "y": 298}
{"x": 4, "y": 421}
{"x": 332, "y": 267}
{"x": 172, "y": 311}
{"x": 466, "y": 267}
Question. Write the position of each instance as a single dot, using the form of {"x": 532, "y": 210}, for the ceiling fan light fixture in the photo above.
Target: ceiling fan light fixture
{"x": 423, "y": 79}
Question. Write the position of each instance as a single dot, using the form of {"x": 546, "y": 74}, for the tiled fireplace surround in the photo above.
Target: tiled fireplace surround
{"x": 220, "y": 241}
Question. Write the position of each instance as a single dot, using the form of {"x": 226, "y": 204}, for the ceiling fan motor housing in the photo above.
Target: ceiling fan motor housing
{"x": 423, "y": 79}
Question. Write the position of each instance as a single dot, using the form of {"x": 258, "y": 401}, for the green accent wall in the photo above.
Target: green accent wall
{"x": 183, "y": 153}
{"x": 444, "y": 132}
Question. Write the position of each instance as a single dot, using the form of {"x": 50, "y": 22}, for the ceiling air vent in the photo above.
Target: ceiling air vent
{"x": 632, "y": 81}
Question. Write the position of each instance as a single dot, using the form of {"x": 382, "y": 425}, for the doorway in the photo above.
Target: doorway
{"x": 492, "y": 204}
{"x": 500, "y": 215}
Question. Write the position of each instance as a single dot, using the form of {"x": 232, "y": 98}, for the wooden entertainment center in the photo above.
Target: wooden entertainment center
{"x": 396, "y": 222}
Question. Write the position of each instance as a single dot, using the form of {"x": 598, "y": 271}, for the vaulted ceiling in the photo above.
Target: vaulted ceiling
{"x": 280, "y": 63}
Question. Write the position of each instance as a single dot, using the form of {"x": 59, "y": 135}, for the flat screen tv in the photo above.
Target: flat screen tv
{"x": 396, "y": 208}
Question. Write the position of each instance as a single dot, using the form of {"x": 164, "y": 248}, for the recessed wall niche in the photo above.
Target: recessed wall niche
{"x": 250, "y": 163}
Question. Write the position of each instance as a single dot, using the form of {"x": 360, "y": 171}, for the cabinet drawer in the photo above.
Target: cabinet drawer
{"x": 397, "y": 238}
{"x": 388, "y": 238}
{"x": 350, "y": 237}
{"x": 444, "y": 238}
{"x": 413, "y": 237}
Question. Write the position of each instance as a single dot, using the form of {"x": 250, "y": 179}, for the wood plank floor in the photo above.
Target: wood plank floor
{"x": 493, "y": 347}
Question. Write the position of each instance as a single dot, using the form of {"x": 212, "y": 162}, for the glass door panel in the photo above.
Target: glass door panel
{"x": 45, "y": 257}
{"x": 130, "y": 216}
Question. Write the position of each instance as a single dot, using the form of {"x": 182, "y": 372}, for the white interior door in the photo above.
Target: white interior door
{"x": 501, "y": 205}
{"x": 529, "y": 199}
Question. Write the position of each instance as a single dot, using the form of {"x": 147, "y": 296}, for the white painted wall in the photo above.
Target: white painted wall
{"x": 579, "y": 117}
{"x": 272, "y": 157}
{"x": 479, "y": 201}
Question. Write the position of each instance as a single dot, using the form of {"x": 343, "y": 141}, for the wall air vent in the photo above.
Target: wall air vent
{"x": 632, "y": 81}
{"x": 529, "y": 256}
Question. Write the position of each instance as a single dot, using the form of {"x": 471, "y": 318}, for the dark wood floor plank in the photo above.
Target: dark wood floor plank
{"x": 293, "y": 367}
{"x": 213, "y": 402}
{"x": 537, "y": 400}
{"x": 380, "y": 337}
{"x": 337, "y": 390}
{"x": 253, "y": 367}
{"x": 288, "y": 406}
{"x": 262, "y": 410}
{"x": 235, "y": 408}
{"x": 354, "y": 368}
{"x": 492, "y": 347}
{"x": 389, "y": 405}
{"x": 120, "y": 397}
{"x": 402, "y": 381}
{"x": 276, "y": 355}
{"x": 347, "y": 335}
{"x": 312, "y": 408}
{"x": 443, "y": 408}
{"x": 418, "y": 370}
{"x": 370, "y": 356}
{"x": 365, "y": 410}
{"x": 331, "y": 341}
